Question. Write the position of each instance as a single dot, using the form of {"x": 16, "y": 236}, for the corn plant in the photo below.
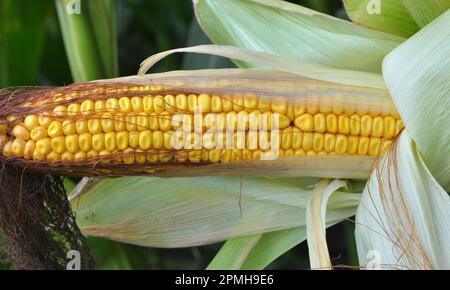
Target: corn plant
{"x": 323, "y": 120}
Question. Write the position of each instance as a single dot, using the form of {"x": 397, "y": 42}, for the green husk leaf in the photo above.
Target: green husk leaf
{"x": 292, "y": 31}
{"x": 403, "y": 218}
{"x": 315, "y": 223}
{"x": 392, "y": 16}
{"x": 417, "y": 74}
{"x": 424, "y": 12}
{"x": 192, "y": 211}
{"x": 233, "y": 253}
{"x": 296, "y": 66}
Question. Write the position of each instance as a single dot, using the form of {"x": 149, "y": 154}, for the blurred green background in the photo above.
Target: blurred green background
{"x": 32, "y": 52}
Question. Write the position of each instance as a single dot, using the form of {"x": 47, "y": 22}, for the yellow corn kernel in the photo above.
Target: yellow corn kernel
{"x": 168, "y": 140}
{"x": 280, "y": 106}
{"x": 308, "y": 141}
{"x": 158, "y": 139}
{"x": 30, "y": 146}
{"x": 181, "y": 102}
{"x": 125, "y": 104}
{"x": 85, "y": 142}
{"x": 73, "y": 109}
{"x": 80, "y": 155}
{"x": 311, "y": 153}
{"x": 38, "y": 133}
{"x": 215, "y": 155}
{"x": 133, "y": 139}
{"x": 378, "y": 127}
{"x": 18, "y": 147}
{"x": 92, "y": 155}
{"x": 152, "y": 157}
{"x": 60, "y": 111}
{"x": 363, "y": 146}
{"x": 154, "y": 122}
{"x": 105, "y": 156}
{"x": 366, "y": 125}
{"x": 305, "y": 122}
{"x": 299, "y": 152}
{"x": 43, "y": 148}
{"x": 318, "y": 141}
{"x": 142, "y": 122}
{"x": 53, "y": 157}
{"x": 238, "y": 103}
{"x": 20, "y": 132}
{"x": 129, "y": 156}
{"x": 297, "y": 138}
{"x": 119, "y": 123}
{"x": 312, "y": 106}
{"x": 87, "y": 107}
{"x": 341, "y": 144}
{"x": 343, "y": 124}
{"x": 7, "y": 149}
{"x": 131, "y": 122}
{"x": 140, "y": 156}
{"x": 136, "y": 105}
{"x": 95, "y": 126}
{"x": 332, "y": 123}
{"x": 355, "y": 125}
{"x": 110, "y": 141}
{"x": 31, "y": 122}
{"x": 165, "y": 121}
{"x": 389, "y": 127}
{"x": 170, "y": 103}
{"x": 192, "y": 103}
{"x": 227, "y": 106}
{"x": 352, "y": 144}
{"x": 98, "y": 142}
{"x": 112, "y": 105}
{"x": 72, "y": 143}
{"x": 69, "y": 127}
{"x": 147, "y": 103}
{"x": 100, "y": 106}
{"x": 216, "y": 104}
{"x": 59, "y": 144}
{"x": 329, "y": 142}
{"x": 55, "y": 129}
{"x": 82, "y": 126}
{"x": 158, "y": 104}
{"x": 320, "y": 124}
{"x": 286, "y": 138}
{"x": 107, "y": 122}
{"x": 374, "y": 146}
{"x": 67, "y": 156}
{"x": 145, "y": 139}
{"x": 44, "y": 121}
{"x": 299, "y": 108}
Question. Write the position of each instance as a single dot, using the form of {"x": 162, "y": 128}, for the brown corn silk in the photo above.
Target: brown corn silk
{"x": 326, "y": 129}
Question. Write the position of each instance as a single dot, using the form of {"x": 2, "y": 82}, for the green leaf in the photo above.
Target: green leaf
{"x": 180, "y": 212}
{"x": 292, "y": 31}
{"x": 424, "y": 12}
{"x": 22, "y": 31}
{"x": 233, "y": 253}
{"x": 89, "y": 45}
{"x": 403, "y": 218}
{"x": 388, "y": 16}
{"x": 103, "y": 21}
{"x": 417, "y": 74}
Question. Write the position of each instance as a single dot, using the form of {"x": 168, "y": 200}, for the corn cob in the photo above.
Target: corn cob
{"x": 178, "y": 123}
